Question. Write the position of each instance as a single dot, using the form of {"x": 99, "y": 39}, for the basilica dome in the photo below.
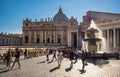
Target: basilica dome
{"x": 60, "y": 16}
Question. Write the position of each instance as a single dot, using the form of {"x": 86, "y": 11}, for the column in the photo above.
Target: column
{"x": 29, "y": 37}
{"x": 118, "y": 34}
{"x": 69, "y": 40}
{"x": 108, "y": 39}
{"x": 45, "y": 36}
{"x": 114, "y": 39}
{"x": 77, "y": 39}
{"x": 41, "y": 35}
{"x": 54, "y": 36}
{"x": 50, "y": 36}
{"x": 23, "y": 38}
{"x": 61, "y": 35}
{"x": 35, "y": 37}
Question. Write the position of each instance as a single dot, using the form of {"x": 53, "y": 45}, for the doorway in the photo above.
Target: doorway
{"x": 74, "y": 39}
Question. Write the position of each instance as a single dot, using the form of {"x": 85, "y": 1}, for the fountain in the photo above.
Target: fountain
{"x": 92, "y": 41}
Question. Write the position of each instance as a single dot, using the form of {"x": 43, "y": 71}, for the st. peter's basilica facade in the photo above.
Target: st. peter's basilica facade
{"x": 59, "y": 31}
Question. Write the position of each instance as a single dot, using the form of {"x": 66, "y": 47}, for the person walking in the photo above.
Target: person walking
{"x": 8, "y": 57}
{"x": 25, "y": 54}
{"x": 47, "y": 54}
{"x": 54, "y": 55}
{"x": 86, "y": 57}
{"x": 71, "y": 57}
{"x": 83, "y": 59}
{"x": 17, "y": 56}
{"x": 76, "y": 55}
{"x": 60, "y": 58}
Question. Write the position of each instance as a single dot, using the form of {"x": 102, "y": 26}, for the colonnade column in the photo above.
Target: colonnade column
{"x": 29, "y": 36}
{"x": 114, "y": 39}
{"x": 54, "y": 37}
{"x": 69, "y": 38}
{"x": 50, "y": 36}
{"x": 118, "y": 36}
{"x": 41, "y": 36}
{"x": 108, "y": 39}
{"x": 23, "y": 38}
{"x": 78, "y": 39}
{"x": 45, "y": 36}
{"x": 35, "y": 37}
{"x": 61, "y": 35}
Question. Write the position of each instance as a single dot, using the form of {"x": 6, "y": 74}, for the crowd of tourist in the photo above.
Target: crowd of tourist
{"x": 72, "y": 54}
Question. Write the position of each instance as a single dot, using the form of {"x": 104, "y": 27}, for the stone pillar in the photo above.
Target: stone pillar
{"x": 23, "y": 38}
{"x": 118, "y": 36}
{"x": 50, "y": 36}
{"x": 61, "y": 36}
{"x": 41, "y": 35}
{"x": 35, "y": 37}
{"x": 54, "y": 37}
{"x": 108, "y": 39}
{"x": 77, "y": 39}
{"x": 45, "y": 37}
{"x": 114, "y": 38}
{"x": 69, "y": 39}
{"x": 29, "y": 37}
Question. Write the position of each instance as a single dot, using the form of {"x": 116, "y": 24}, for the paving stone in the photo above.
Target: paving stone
{"x": 39, "y": 67}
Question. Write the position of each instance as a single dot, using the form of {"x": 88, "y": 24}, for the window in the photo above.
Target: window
{"x": 43, "y": 41}
{"x": 48, "y": 40}
{"x": 26, "y": 24}
{"x": 59, "y": 40}
{"x": 26, "y": 39}
{"x": 38, "y": 40}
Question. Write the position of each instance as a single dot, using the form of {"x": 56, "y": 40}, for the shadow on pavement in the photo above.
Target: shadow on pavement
{"x": 53, "y": 69}
{"x": 50, "y": 62}
{"x": 41, "y": 62}
{"x": 2, "y": 70}
{"x": 98, "y": 62}
{"x": 68, "y": 69}
{"x": 13, "y": 69}
{"x": 82, "y": 71}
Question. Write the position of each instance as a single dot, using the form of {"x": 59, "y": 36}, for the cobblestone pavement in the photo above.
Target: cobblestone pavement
{"x": 38, "y": 67}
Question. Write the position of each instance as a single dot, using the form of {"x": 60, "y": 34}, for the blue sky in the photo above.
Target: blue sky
{"x": 12, "y": 12}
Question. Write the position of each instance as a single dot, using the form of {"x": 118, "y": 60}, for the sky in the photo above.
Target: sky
{"x": 13, "y": 12}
